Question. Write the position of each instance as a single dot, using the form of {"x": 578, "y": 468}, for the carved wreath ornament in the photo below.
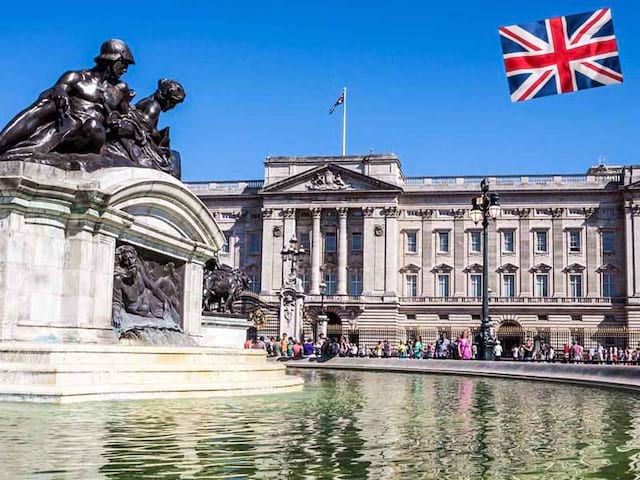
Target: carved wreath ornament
{"x": 258, "y": 318}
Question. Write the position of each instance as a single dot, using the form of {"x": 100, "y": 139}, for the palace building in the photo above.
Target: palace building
{"x": 401, "y": 255}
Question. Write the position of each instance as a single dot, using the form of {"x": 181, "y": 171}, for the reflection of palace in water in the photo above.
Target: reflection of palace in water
{"x": 401, "y": 254}
{"x": 346, "y": 425}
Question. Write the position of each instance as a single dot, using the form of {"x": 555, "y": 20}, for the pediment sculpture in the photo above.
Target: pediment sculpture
{"x": 327, "y": 180}
{"x": 86, "y": 120}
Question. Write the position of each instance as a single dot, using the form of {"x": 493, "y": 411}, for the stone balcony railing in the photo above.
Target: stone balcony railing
{"x": 515, "y": 180}
{"x": 512, "y": 300}
{"x": 416, "y": 183}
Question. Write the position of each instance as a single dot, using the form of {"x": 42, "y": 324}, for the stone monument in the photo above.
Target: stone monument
{"x": 100, "y": 243}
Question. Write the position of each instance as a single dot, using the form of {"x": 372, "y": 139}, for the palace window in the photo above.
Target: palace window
{"x": 443, "y": 284}
{"x": 508, "y": 244}
{"x": 330, "y": 280}
{"x": 412, "y": 242}
{"x": 608, "y": 242}
{"x": 330, "y": 242}
{"x": 542, "y": 285}
{"x": 508, "y": 285}
{"x": 574, "y": 241}
{"x": 542, "y": 245}
{"x": 608, "y": 285}
{"x": 356, "y": 242}
{"x": 412, "y": 285}
{"x": 474, "y": 242}
{"x": 254, "y": 243}
{"x": 575, "y": 285}
{"x": 475, "y": 285}
{"x": 305, "y": 240}
{"x": 443, "y": 242}
{"x": 304, "y": 276}
{"x": 227, "y": 241}
{"x": 355, "y": 282}
{"x": 255, "y": 282}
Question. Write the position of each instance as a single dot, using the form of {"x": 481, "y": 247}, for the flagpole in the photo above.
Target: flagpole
{"x": 344, "y": 122}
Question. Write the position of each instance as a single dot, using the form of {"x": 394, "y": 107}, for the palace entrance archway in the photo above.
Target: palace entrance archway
{"x": 510, "y": 334}
{"x": 334, "y": 325}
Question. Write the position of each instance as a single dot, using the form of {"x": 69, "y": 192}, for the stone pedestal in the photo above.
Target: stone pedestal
{"x": 292, "y": 308}
{"x": 224, "y": 330}
{"x": 58, "y": 234}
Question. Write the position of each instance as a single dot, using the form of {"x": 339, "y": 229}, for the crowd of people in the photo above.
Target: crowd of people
{"x": 462, "y": 348}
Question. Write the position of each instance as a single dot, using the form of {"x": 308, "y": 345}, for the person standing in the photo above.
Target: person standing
{"x": 417, "y": 348}
{"x": 442, "y": 346}
{"x": 284, "y": 345}
{"x": 464, "y": 346}
{"x": 497, "y": 350}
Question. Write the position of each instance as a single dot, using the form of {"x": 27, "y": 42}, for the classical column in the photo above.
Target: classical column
{"x": 391, "y": 251}
{"x": 316, "y": 251}
{"x": 592, "y": 255}
{"x": 427, "y": 252}
{"x": 371, "y": 271}
{"x": 558, "y": 253}
{"x": 271, "y": 245}
{"x": 629, "y": 240}
{"x": 458, "y": 277}
{"x": 524, "y": 239}
{"x": 343, "y": 213}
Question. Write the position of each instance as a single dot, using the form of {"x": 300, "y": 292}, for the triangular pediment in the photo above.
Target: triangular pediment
{"x": 330, "y": 178}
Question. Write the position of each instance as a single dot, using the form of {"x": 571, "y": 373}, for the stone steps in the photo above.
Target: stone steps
{"x": 80, "y": 372}
{"x": 68, "y": 354}
{"x": 83, "y": 393}
{"x": 48, "y": 374}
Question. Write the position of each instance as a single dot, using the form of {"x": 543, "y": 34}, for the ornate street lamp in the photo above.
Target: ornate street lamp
{"x": 291, "y": 253}
{"x": 322, "y": 318}
{"x": 485, "y": 207}
{"x": 323, "y": 289}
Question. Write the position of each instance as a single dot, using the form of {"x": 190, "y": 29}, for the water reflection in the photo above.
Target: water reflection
{"x": 343, "y": 425}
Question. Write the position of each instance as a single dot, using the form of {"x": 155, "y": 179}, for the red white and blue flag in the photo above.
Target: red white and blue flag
{"x": 561, "y": 55}
{"x": 339, "y": 101}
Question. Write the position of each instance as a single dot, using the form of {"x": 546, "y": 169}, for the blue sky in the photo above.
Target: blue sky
{"x": 425, "y": 79}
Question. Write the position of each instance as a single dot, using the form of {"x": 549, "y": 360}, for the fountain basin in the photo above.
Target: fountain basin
{"x": 63, "y": 373}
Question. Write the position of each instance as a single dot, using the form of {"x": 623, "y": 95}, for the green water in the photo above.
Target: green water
{"x": 342, "y": 426}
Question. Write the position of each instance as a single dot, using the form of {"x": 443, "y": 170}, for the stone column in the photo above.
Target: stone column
{"x": 592, "y": 255}
{"x": 493, "y": 245}
{"x": 427, "y": 253}
{"x": 343, "y": 213}
{"x": 271, "y": 245}
{"x": 369, "y": 270}
{"x": 316, "y": 251}
{"x": 559, "y": 282}
{"x": 636, "y": 236}
{"x": 524, "y": 240}
{"x": 458, "y": 276}
{"x": 391, "y": 251}
{"x": 289, "y": 215}
{"x": 629, "y": 214}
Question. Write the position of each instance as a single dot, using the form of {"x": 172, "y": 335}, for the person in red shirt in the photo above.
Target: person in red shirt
{"x": 247, "y": 344}
{"x": 297, "y": 350}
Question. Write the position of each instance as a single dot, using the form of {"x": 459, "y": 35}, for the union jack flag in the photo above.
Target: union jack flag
{"x": 560, "y": 55}
{"x": 339, "y": 101}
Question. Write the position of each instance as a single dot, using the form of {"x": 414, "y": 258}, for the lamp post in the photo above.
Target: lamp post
{"x": 322, "y": 318}
{"x": 485, "y": 207}
{"x": 291, "y": 253}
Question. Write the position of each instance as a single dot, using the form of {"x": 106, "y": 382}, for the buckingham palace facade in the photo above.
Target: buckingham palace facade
{"x": 401, "y": 253}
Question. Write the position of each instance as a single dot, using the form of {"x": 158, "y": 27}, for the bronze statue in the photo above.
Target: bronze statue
{"x": 223, "y": 285}
{"x": 136, "y": 133}
{"x": 138, "y": 301}
{"x": 86, "y": 120}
